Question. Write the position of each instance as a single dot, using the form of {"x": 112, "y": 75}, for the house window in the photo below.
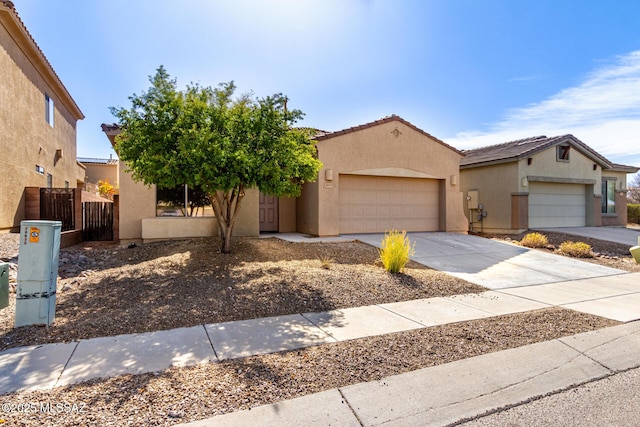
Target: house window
{"x": 48, "y": 109}
{"x": 39, "y": 169}
{"x": 562, "y": 153}
{"x": 608, "y": 196}
{"x": 182, "y": 201}
{"x": 49, "y": 180}
{"x": 66, "y": 184}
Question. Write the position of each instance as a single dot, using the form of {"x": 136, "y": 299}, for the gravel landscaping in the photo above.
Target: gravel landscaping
{"x": 166, "y": 285}
{"x": 106, "y": 289}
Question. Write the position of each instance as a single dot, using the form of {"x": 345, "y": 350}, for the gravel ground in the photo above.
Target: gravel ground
{"x": 179, "y": 395}
{"x": 167, "y": 285}
{"x": 106, "y": 290}
{"x": 609, "y": 254}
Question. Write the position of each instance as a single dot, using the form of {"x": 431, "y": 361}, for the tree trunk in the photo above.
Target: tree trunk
{"x": 226, "y": 207}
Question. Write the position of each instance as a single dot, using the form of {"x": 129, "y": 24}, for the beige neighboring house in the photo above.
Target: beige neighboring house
{"x": 38, "y": 120}
{"x": 379, "y": 176}
{"x": 97, "y": 170}
{"x": 542, "y": 182}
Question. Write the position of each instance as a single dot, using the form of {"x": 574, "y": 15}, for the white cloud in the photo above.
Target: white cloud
{"x": 603, "y": 112}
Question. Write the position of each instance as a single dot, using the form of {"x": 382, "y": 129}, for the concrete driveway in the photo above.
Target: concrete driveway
{"x": 492, "y": 264}
{"x": 625, "y": 236}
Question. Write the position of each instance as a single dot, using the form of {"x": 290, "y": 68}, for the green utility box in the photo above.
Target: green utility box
{"x": 4, "y": 285}
{"x": 635, "y": 251}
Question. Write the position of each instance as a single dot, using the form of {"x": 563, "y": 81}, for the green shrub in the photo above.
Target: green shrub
{"x": 535, "y": 240}
{"x": 633, "y": 213}
{"x": 395, "y": 251}
{"x": 577, "y": 249}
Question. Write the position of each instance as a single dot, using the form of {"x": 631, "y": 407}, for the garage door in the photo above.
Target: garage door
{"x": 374, "y": 204}
{"x": 557, "y": 205}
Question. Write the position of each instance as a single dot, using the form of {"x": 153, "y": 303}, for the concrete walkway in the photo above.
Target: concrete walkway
{"x": 492, "y": 264}
{"x": 622, "y": 235}
{"x": 52, "y": 365}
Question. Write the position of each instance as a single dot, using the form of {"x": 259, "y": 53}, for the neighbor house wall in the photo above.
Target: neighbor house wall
{"x": 619, "y": 218}
{"x": 392, "y": 149}
{"x": 98, "y": 172}
{"x": 27, "y": 139}
{"x": 496, "y": 186}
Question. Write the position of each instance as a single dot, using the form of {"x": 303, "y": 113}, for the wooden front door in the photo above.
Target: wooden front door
{"x": 268, "y": 209}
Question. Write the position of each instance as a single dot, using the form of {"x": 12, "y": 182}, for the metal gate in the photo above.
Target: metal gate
{"x": 97, "y": 221}
{"x": 56, "y": 204}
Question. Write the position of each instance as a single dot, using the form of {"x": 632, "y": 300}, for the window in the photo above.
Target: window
{"x": 48, "y": 109}
{"x": 66, "y": 184}
{"x": 608, "y": 196}
{"x": 562, "y": 153}
{"x": 49, "y": 180}
{"x": 182, "y": 201}
{"x": 39, "y": 169}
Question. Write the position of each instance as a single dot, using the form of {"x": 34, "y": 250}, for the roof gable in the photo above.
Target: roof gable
{"x": 328, "y": 135}
{"x": 516, "y": 150}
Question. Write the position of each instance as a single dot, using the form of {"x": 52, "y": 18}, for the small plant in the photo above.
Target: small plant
{"x": 325, "y": 262}
{"x": 535, "y": 240}
{"x": 395, "y": 251}
{"x": 577, "y": 249}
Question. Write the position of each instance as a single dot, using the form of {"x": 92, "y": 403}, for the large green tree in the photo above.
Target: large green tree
{"x": 208, "y": 139}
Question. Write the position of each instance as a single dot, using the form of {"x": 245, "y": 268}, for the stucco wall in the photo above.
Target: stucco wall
{"x": 387, "y": 149}
{"x": 138, "y": 219}
{"x": 27, "y": 139}
{"x": 495, "y": 185}
{"x": 98, "y": 172}
{"x": 544, "y": 164}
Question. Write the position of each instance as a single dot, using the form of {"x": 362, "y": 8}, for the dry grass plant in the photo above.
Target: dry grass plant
{"x": 395, "y": 251}
{"x": 576, "y": 249}
{"x": 535, "y": 240}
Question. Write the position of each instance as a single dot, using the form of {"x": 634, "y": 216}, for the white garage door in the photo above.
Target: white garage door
{"x": 374, "y": 204}
{"x": 557, "y": 205}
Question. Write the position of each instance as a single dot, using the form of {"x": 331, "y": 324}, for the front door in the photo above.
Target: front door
{"x": 268, "y": 209}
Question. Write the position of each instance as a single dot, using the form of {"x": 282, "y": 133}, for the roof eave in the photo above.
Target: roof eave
{"x": 18, "y": 31}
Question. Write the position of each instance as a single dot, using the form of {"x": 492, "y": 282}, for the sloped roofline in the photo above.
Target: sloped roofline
{"x": 529, "y": 149}
{"x": 18, "y": 31}
{"x": 382, "y": 121}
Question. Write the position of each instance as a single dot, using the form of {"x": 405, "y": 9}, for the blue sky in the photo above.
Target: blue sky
{"x": 470, "y": 72}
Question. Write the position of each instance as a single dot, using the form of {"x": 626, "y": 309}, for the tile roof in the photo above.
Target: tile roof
{"x": 522, "y": 148}
{"x": 616, "y": 167}
{"x": 388, "y": 119}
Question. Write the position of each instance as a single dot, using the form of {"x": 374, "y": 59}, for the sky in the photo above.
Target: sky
{"x": 469, "y": 72}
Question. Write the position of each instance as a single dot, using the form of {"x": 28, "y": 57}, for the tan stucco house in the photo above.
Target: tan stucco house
{"x": 383, "y": 175}
{"x": 542, "y": 182}
{"x": 38, "y": 120}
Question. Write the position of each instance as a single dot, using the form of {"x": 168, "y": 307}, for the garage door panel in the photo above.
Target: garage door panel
{"x": 557, "y": 205}
{"x": 371, "y": 204}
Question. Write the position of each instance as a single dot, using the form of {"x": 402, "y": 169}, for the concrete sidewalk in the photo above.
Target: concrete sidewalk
{"x": 445, "y": 394}
{"x": 52, "y": 365}
{"x": 492, "y": 264}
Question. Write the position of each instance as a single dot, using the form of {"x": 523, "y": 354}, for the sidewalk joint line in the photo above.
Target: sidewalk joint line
{"x": 64, "y": 368}
{"x": 215, "y": 353}
{"x": 345, "y": 400}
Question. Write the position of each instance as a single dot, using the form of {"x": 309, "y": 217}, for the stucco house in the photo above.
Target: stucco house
{"x": 38, "y": 120}
{"x": 99, "y": 170}
{"x": 383, "y": 175}
{"x": 542, "y": 182}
